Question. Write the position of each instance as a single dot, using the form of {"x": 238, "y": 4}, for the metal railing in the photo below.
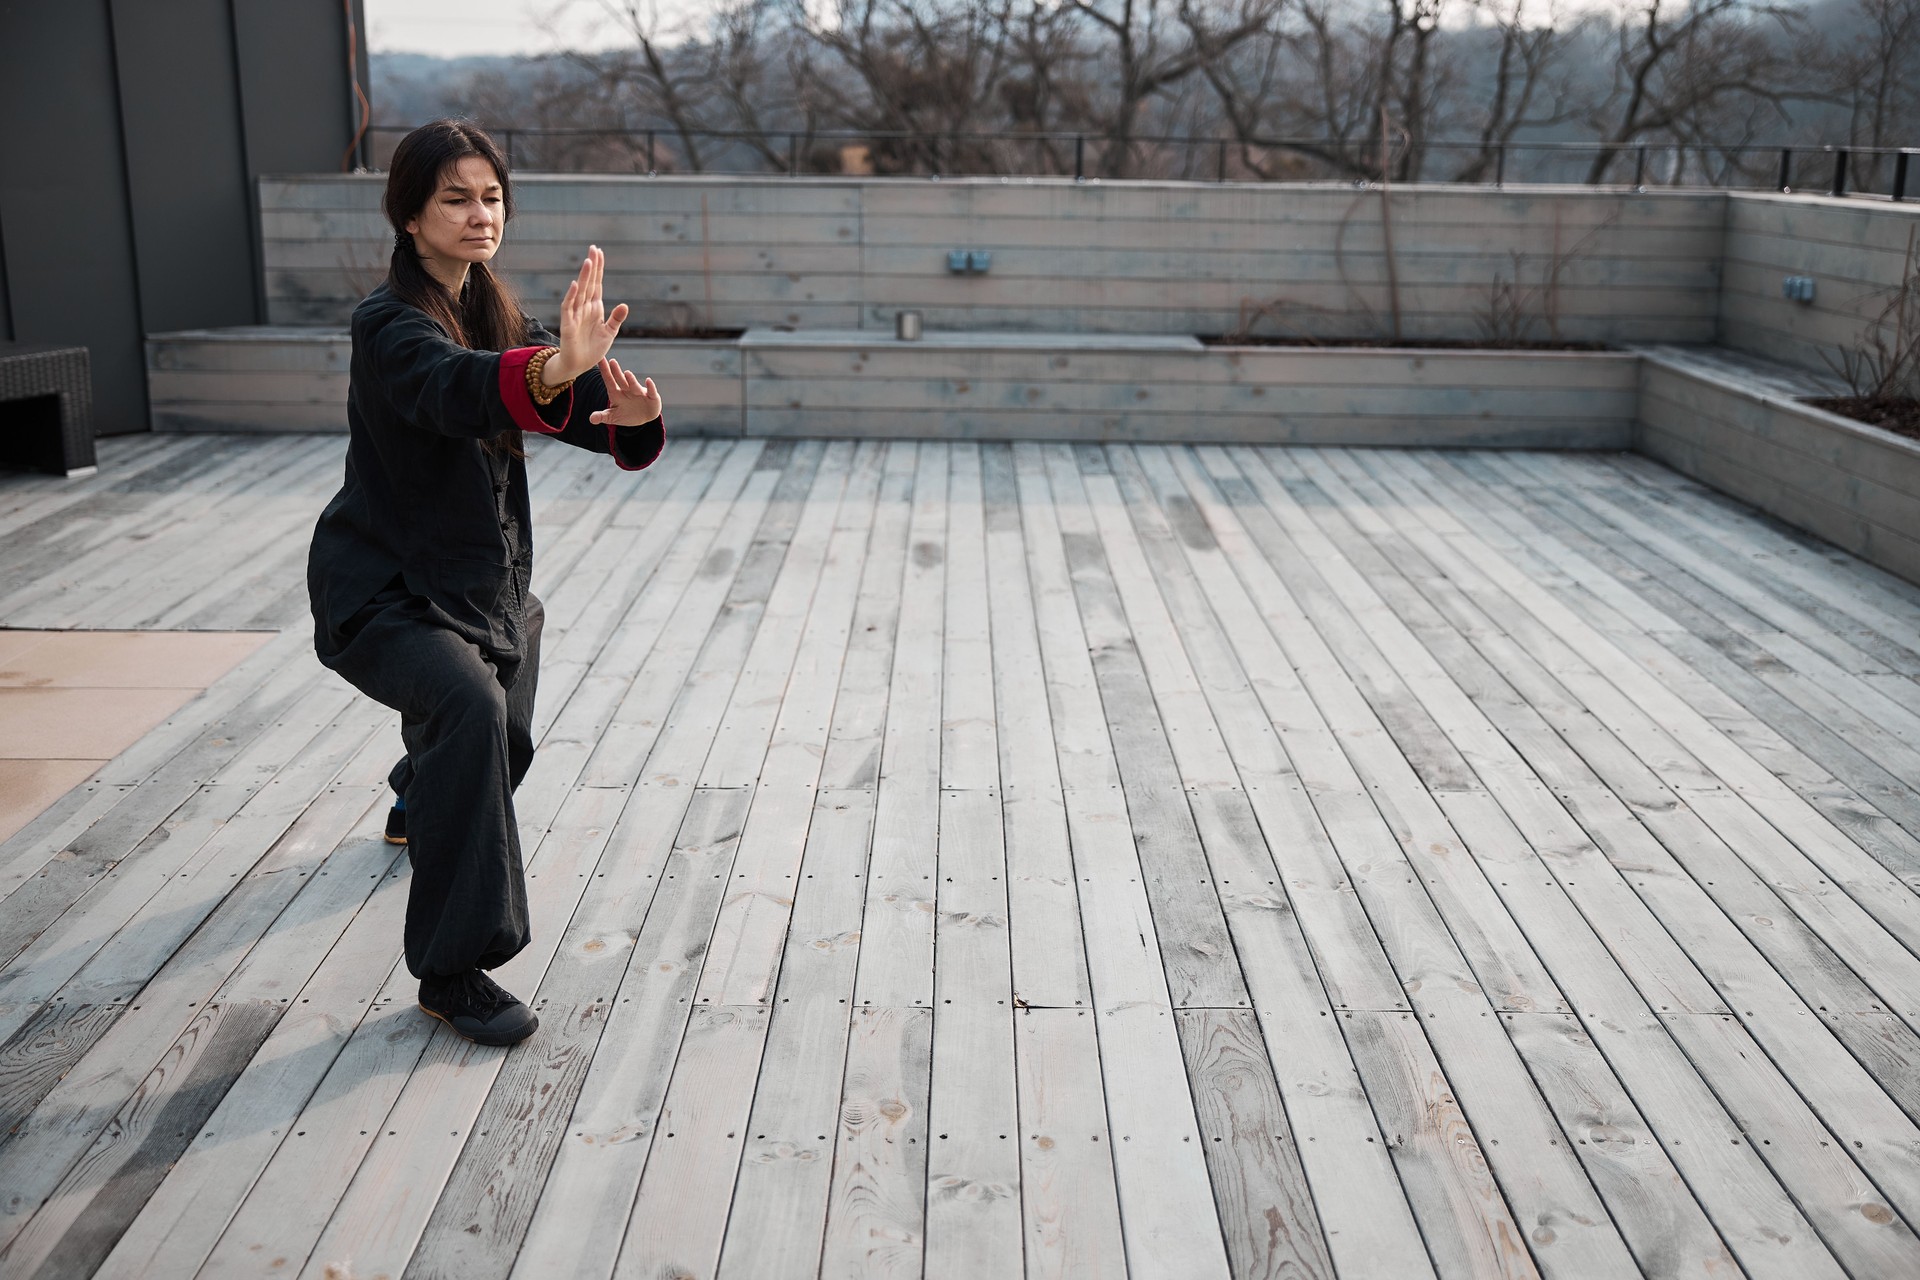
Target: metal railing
{"x": 960, "y": 153}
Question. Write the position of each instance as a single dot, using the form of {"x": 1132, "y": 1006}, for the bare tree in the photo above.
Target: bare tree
{"x": 1681, "y": 66}
{"x": 1355, "y": 88}
{"x": 1882, "y": 73}
{"x": 1527, "y": 91}
{"x": 926, "y": 68}
{"x": 1311, "y": 86}
{"x": 668, "y": 85}
{"x": 1401, "y": 80}
{"x": 1251, "y": 84}
{"x": 1150, "y": 55}
{"x": 1045, "y": 87}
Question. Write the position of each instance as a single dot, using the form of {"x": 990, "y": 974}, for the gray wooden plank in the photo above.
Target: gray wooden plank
{"x": 1463, "y": 1217}
{"x": 1844, "y": 1204}
{"x": 177, "y": 1229}
{"x": 744, "y": 953}
{"x": 896, "y": 951}
{"x": 969, "y": 748}
{"x": 603, "y": 1146}
{"x": 860, "y": 712}
{"x": 196, "y": 1118}
{"x": 1668, "y": 632}
{"x": 780, "y": 1201}
{"x": 685, "y": 1196}
{"x": 1876, "y": 956}
{"x": 72, "y": 1152}
{"x": 1069, "y": 1206}
{"x": 1266, "y": 1209}
{"x": 576, "y": 981}
{"x": 432, "y": 1118}
{"x": 876, "y": 1212}
{"x": 1662, "y": 1223}
{"x": 1357, "y": 1197}
{"x": 1501, "y": 957}
{"x": 1196, "y": 950}
{"x": 973, "y": 1159}
{"x": 1049, "y": 958}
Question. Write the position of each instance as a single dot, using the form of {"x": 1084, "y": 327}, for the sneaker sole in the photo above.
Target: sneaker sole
{"x": 394, "y": 839}
{"x": 492, "y": 1041}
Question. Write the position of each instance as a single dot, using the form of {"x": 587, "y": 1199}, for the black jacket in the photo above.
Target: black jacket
{"x": 424, "y": 500}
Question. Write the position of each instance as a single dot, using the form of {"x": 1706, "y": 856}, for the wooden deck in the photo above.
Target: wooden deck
{"x": 986, "y": 861}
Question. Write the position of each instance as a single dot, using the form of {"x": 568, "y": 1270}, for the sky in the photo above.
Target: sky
{"x": 456, "y": 28}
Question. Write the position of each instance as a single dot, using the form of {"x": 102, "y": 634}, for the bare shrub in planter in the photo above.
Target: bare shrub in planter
{"x": 1881, "y": 367}
{"x": 1514, "y": 315}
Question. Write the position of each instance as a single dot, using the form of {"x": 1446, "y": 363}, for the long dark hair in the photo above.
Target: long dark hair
{"x": 486, "y": 316}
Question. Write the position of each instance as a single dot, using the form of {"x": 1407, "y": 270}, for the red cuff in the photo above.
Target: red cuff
{"x": 527, "y": 415}
{"x": 658, "y": 443}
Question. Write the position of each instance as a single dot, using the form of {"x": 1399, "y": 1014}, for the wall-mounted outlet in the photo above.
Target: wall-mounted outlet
{"x": 961, "y": 261}
{"x": 957, "y": 261}
{"x": 1797, "y": 288}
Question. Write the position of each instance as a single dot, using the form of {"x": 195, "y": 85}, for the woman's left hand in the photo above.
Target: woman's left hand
{"x": 587, "y": 328}
{"x": 630, "y": 401}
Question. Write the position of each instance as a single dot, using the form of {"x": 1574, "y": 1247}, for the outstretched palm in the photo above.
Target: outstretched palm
{"x": 587, "y": 328}
{"x": 630, "y": 401}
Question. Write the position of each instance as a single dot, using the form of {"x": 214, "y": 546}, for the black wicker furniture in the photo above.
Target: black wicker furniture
{"x": 46, "y": 408}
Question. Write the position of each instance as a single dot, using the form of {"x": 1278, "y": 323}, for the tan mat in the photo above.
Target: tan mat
{"x": 72, "y": 700}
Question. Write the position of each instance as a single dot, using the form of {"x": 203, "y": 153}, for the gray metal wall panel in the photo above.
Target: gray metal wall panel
{"x": 6, "y": 298}
{"x": 135, "y": 134}
{"x": 186, "y": 163}
{"x": 292, "y": 69}
{"x": 63, "y": 197}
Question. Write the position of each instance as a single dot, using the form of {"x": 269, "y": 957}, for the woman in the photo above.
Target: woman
{"x": 419, "y": 569}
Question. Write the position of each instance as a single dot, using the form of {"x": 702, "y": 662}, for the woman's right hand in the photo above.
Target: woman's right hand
{"x": 587, "y": 328}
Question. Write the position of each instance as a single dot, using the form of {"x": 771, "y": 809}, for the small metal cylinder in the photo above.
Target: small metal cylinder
{"x": 906, "y": 326}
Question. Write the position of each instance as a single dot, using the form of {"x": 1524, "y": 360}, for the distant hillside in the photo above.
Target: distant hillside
{"x": 410, "y": 87}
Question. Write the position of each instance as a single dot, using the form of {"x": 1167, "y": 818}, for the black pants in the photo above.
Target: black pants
{"x": 465, "y": 717}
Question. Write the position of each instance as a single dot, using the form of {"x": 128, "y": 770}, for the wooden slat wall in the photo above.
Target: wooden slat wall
{"x": 1124, "y": 258}
{"x": 1854, "y": 486}
{"x": 270, "y": 379}
{"x": 1050, "y": 387}
{"x": 1854, "y": 251}
{"x": 840, "y": 386}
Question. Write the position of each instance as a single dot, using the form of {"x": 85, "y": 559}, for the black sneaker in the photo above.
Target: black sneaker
{"x": 475, "y": 1007}
{"x": 396, "y": 825}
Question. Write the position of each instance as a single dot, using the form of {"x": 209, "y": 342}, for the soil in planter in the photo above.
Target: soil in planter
{"x": 1898, "y": 414}
{"x": 671, "y": 334}
{"x": 1388, "y": 344}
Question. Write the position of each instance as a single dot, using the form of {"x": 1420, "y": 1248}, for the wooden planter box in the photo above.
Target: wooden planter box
{"x": 1145, "y": 387}
{"x": 988, "y": 387}
{"x": 269, "y": 378}
{"x": 1745, "y": 432}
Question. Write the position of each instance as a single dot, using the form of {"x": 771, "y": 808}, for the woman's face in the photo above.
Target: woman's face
{"x": 463, "y": 220}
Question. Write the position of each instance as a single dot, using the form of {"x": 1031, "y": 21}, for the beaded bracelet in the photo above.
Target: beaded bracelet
{"x": 541, "y": 393}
